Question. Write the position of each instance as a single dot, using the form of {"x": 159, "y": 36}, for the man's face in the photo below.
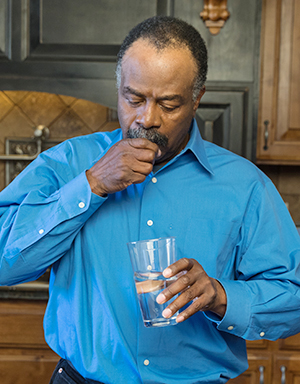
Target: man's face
{"x": 155, "y": 96}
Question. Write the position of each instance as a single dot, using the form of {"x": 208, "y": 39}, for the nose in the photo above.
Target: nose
{"x": 148, "y": 115}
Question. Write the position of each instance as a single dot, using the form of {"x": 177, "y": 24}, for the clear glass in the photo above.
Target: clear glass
{"x": 149, "y": 258}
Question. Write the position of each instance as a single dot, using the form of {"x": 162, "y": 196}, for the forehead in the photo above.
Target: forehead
{"x": 143, "y": 63}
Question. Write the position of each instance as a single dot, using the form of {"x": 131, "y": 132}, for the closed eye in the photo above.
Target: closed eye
{"x": 134, "y": 102}
{"x": 168, "y": 108}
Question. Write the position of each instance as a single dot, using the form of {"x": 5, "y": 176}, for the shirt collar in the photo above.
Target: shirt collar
{"x": 196, "y": 145}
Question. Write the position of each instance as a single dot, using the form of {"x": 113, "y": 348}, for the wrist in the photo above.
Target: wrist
{"x": 94, "y": 184}
{"x": 221, "y": 299}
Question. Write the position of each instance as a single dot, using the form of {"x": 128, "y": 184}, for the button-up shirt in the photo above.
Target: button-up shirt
{"x": 224, "y": 213}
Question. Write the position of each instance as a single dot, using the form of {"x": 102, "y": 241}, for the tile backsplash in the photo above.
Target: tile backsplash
{"x": 65, "y": 116}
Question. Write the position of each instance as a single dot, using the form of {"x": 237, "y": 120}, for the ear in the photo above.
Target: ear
{"x": 199, "y": 97}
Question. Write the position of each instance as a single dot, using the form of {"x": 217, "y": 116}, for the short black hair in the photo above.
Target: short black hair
{"x": 164, "y": 32}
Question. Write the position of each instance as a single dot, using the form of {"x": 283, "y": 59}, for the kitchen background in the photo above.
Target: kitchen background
{"x": 66, "y": 116}
{"x": 57, "y": 62}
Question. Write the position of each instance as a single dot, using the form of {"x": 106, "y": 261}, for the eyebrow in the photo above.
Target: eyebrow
{"x": 129, "y": 90}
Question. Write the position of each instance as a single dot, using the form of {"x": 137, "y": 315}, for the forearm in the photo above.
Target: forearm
{"x": 260, "y": 309}
{"x": 40, "y": 230}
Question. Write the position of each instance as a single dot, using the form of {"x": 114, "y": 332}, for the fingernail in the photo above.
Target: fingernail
{"x": 167, "y": 272}
{"x": 159, "y": 153}
{"x": 179, "y": 319}
{"x": 167, "y": 313}
{"x": 160, "y": 298}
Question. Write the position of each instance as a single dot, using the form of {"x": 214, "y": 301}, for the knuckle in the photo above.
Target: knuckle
{"x": 148, "y": 167}
{"x": 189, "y": 294}
{"x": 198, "y": 305}
{"x": 175, "y": 306}
{"x": 170, "y": 291}
{"x": 185, "y": 279}
{"x": 185, "y": 261}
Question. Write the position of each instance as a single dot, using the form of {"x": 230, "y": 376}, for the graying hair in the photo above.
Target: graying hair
{"x": 164, "y": 32}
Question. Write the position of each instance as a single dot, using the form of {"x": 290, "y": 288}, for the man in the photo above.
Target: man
{"x": 78, "y": 204}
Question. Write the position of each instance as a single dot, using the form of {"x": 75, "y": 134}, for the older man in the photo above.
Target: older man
{"x": 78, "y": 204}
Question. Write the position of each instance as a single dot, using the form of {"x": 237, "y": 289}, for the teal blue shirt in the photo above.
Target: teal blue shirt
{"x": 224, "y": 212}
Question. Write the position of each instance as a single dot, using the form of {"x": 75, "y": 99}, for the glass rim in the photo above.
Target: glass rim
{"x": 152, "y": 240}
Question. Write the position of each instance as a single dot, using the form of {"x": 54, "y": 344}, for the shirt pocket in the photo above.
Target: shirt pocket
{"x": 213, "y": 244}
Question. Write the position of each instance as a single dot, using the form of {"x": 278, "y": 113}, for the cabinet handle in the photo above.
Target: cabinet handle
{"x": 283, "y": 369}
{"x": 261, "y": 374}
{"x": 266, "y": 123}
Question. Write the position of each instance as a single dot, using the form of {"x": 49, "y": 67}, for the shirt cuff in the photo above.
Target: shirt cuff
{"x": 237, "y": 317}
{"x": 77, "y": 197}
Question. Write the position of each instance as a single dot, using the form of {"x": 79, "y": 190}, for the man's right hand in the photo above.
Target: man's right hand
{"x": 127, "y": 162}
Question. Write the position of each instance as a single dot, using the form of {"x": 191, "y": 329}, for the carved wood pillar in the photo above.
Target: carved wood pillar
{"x": 214, "y": 15}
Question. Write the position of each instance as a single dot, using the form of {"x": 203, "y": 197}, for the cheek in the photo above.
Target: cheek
{"x": 125, "y": 114}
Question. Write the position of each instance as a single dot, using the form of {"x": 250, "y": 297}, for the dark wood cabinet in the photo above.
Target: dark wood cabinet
{"x": 272, "y": 362}
{"x": 25, "y": 358}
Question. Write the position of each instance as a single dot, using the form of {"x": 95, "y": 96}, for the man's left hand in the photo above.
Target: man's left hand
{"x": 195, "y": 286}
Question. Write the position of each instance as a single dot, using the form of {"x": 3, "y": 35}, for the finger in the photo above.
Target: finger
{"x": 184, "y": 285}
{"x": 145, "y": 155}
{"x": 198, "y": 304}
{"x": 140, "y": 143}
{"x": 179, "y": 266}
{"x": 141, "y": 167}
{"x": 188, "y": 295}
{"x": 202, "y": 295}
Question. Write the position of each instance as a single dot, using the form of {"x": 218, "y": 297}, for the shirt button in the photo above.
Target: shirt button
{"x": 150, "y": 222}
{"x": 146, "y": 362}
{"x": 81, "y": 204}
{"x": 60, "y": 370}
{"x": 230, "y": 328}
{"x": 154, "y": 180}
{"x": 262, "y": 334}
{"x": 41, "y": 231}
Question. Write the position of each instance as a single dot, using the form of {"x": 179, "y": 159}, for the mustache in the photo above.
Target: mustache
{"x": 150, "y": 134}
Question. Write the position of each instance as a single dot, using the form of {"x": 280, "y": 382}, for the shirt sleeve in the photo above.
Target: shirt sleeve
{"x": 264, "y": 300}
{"x": 41, "y": 212}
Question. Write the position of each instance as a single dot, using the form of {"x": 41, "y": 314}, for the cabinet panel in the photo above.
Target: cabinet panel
{"x": 291, "y": 343}
{"x": 27, "y": 369}
{"x": 257, "y": 344}
{"x": 21, "y": 324}
{"x": 278, "y": 140}
{"x": 286, "y": 369}
{"x": 221, "y": 118}
{"x": 25, "y": 358}
{"x": 259, "y": 371}
{"x": 83, "y": 30}
{"x": 72, "y": 27}
{"x": 5, "y": 36}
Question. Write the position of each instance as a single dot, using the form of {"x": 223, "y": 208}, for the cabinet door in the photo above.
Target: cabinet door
{"x": 259, "y": 371}
{"x": 287, "y": 369}
{"x": 25, "y": 357}
{"x": 278, "y": 139}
